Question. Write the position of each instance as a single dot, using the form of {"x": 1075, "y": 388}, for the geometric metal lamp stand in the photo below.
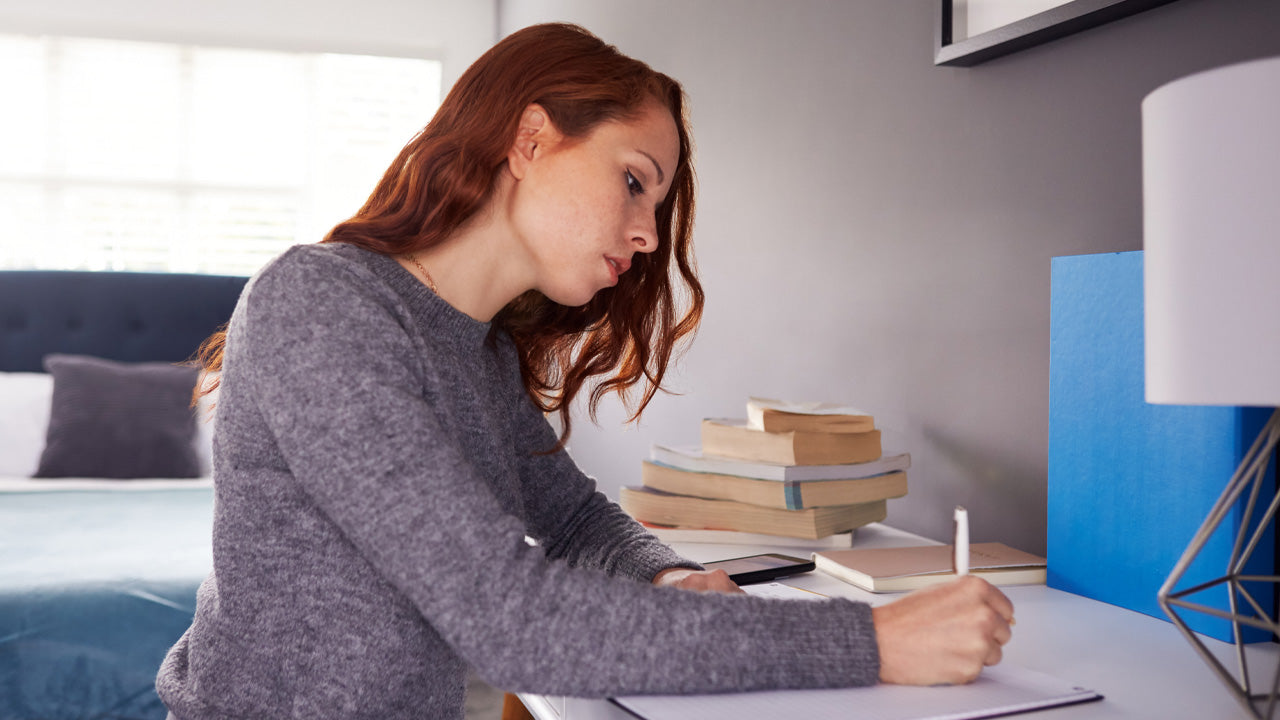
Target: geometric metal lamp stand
{"x": 1248, "y": 477}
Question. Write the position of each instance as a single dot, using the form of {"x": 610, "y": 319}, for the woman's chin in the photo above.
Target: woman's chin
{"x": 572, "y": 297}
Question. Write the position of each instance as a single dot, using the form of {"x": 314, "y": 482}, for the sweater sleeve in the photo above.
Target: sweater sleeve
{"x": 337, "y": 380}
{"x": 574, "y": 521}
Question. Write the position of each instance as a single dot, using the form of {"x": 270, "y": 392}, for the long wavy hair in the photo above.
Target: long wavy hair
{"x": 626, "y": 334}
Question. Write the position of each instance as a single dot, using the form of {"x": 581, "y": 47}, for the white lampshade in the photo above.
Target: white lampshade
{"x": 1211, "y": 197}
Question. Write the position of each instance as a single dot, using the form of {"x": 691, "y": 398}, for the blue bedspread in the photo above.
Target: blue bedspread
{"x": 95, "y": 586}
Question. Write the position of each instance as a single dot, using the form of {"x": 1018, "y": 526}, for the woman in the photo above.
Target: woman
{"x": 382, "y": 452}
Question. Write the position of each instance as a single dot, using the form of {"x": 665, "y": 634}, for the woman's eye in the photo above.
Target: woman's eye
{"x": 633, "y": 185}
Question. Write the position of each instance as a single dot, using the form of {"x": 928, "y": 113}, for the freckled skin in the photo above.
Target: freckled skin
{"x": 581, "y": 202}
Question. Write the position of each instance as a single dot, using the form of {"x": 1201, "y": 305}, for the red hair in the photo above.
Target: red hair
{"x": 627, "y": 333}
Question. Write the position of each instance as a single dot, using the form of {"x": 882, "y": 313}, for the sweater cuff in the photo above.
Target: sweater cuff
{"x": 863, "y": 638}
{"x": 646, "y": 561}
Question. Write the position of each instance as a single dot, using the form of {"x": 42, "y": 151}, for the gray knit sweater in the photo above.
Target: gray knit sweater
{"x": 376, "y": 473}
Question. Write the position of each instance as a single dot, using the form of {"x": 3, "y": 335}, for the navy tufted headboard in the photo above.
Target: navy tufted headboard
{"x": 124, "y": 316}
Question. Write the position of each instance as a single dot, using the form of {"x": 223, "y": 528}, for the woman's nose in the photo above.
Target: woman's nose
{"x": 644, "y": 234}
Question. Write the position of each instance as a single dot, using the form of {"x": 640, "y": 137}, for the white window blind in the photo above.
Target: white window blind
{"x": 118, "y": 155}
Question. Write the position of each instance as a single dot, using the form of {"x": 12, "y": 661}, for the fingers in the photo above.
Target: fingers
{"x": 968, "y": 675}
{"x": 1002, "y": 635}
{"x": 995, "y": 620}
{"x": 992, "y": 599}
{"x": 998, "y": 628}
{"x": 1000, "y": 603}
{"x": 699, "y": 580}
{"x": 715, "y": 581}
{"x": 994, "y": 656}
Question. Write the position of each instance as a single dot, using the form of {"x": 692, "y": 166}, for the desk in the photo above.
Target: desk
{"x": 1141, "y": 664}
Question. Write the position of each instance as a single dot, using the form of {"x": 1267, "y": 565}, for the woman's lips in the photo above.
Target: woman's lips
{"x": 617, "y": 266}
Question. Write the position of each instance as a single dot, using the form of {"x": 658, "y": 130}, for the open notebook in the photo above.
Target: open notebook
{"x": 1001, "y": 690}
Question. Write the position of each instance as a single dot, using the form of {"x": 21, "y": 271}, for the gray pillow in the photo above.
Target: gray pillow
{"x": 119, "y": 420}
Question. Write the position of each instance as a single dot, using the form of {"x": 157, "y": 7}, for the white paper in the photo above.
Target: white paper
{"x": 1001, "y": 690}
{"x": 784, "y": 592}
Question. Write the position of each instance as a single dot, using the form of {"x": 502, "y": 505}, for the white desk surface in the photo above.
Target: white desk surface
{"x": 1142, "y": 665}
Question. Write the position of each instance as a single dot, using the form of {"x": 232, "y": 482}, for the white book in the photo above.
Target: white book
{"x": 757, "y": 408}
{"x": 733, "y": 537}
{"x": 691, "y": 457}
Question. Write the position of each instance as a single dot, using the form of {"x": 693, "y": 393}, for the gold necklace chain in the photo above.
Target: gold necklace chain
{"x": 430, "y": 283}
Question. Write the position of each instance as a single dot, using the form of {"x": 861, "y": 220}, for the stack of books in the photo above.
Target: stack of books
{"x": 799, "y": 474}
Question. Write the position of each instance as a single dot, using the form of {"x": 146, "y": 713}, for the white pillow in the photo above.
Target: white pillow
{"x": 25, "y": 399}
{"x": 204, "y": 426}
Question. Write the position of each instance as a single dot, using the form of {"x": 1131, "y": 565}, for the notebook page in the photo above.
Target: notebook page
{"x": 784, "y": 592}
{"x": 1000, "y": 690}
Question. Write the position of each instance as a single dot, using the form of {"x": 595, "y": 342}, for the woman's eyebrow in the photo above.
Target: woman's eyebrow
{"x": 656, "y": 166}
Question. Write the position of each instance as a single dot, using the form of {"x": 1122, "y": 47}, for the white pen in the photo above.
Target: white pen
{"x": 960, "y": 560}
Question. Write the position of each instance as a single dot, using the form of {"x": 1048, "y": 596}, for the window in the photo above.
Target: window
{"x": 118, "y": 155}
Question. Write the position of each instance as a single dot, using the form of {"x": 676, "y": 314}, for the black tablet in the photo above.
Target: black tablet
{"x": 760, "y": 568}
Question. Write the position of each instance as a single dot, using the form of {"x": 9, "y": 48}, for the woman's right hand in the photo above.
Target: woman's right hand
{"x": 943, "y": 634}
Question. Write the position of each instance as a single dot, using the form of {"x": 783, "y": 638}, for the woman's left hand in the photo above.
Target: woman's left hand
{"x": 697, "y": 580}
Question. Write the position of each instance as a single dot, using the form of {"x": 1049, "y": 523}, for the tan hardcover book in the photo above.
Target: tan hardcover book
{"x": 782, "y": 416}
{"x": 732, "y": 537}
{"x": 733, "y": 438}
{"x": 774, "y": 493}
{"x": 909, "y": 568}
{"x": 659, "y": 508}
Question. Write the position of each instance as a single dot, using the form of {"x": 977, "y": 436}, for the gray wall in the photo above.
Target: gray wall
{"x": 876, "y": 230}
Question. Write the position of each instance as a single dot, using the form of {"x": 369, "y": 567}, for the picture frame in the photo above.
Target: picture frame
{"x": 1035, "y": 28}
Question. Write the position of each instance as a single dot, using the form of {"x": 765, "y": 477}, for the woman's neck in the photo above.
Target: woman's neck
{"x": 479, "y": 268}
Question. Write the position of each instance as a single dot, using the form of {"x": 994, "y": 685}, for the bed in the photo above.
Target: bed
{"x": 98, "y": 571}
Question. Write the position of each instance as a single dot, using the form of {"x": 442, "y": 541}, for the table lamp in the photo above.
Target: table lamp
{"x": 1211, "y": 216}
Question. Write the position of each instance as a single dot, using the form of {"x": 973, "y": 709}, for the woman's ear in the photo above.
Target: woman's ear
{"x": 534, "y": 136}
